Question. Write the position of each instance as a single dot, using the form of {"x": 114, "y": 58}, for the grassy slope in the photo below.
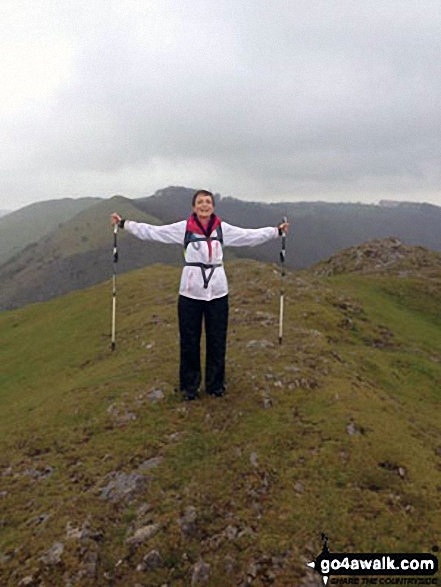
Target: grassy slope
{"x": 90, "y": 229}
{"x": 31, "y": 223}
{"x": 80, "y": 240}
{"x": 86, "y": 231}
{"x": 359, "y": 352}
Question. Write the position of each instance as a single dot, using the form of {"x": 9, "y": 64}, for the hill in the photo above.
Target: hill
{"x": 31, "y": 223}
{"x": 318, "y": 229}
{"x": 76, "y": 255}
{"x": 109, "y": 478}
{"x": 382, "y": 256}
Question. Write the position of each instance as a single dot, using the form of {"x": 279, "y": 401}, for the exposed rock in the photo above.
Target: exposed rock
{"x": 82, "y": 533}
{"x": 247, "y": 533}
{"x": 143, "y": 509}
{"x": 214, "y": 542}
{"x": 254, "y": 459}
{"x": 143, "y": 534}
{"x": 151, "y": 464}
{"x": 269, "y": 577}
{"x": 150, "y": 561}
{"x": 230, "y": 565}
{"x": 303, "y": 382}
{"x": 265, "y": 318}
{"x": 260, "y": 344}
{"x": 352, "y": 429}
{"x": 89, "y": 565}
{"x": 155, "y": 395}
{"x": 188, "y": 521}
{"x": 231, "y": 532}
{"x": 38, "y": 474}
{"x": 401, "y": 471}
{"x": 380, "y": 256}
{"x": 200, "y": 574}
{"x": 120, "y": 415}
{"x": 383, "y": 339}
{"x": 298, "y": 488}
{"x": 252, "y": 571}
{"x": 53, "y": 556}
{"x": 147, "y": 346}
{"x": 123, "y": 486}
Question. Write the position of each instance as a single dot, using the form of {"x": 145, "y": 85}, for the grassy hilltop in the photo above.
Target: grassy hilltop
{"x": 108, "y": 478}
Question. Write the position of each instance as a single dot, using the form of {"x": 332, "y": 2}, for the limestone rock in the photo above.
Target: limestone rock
{"x": 53, "y": 556}
{"x": 150, "y": 561}
{"x": 201, "y": 573}
{"x": 143, "y": 534}
{"x": 122, "y": 486}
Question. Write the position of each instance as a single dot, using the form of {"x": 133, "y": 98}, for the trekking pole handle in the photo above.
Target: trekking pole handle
{"x": 283, "y": 235}
{"x": 115, "y": 247}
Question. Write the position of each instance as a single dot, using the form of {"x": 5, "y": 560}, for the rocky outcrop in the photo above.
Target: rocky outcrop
{"x": 380, "y": 256}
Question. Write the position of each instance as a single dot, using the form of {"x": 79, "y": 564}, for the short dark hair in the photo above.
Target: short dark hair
{"x": 204, "y": 193}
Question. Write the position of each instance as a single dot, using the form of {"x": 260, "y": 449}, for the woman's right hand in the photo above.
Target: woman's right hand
{"x": 115, "y": 218}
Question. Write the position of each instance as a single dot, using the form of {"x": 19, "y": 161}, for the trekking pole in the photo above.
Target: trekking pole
{"x": 115, "y": 261}
{"x": 282, "y": 280}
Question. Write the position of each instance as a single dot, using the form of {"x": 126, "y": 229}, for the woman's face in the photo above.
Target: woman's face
{"x": 203, "y": 207}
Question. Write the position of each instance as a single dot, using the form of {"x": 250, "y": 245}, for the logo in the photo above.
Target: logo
{"x": 375, "y": 565}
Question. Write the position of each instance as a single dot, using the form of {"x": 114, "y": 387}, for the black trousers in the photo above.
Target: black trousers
{"x": 215, "y": 315}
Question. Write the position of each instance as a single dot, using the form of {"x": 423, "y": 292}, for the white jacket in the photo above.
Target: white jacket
{"x": 192, "y": 284}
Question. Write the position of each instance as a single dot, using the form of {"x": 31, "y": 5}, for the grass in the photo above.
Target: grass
{"x": 350, "y": 445}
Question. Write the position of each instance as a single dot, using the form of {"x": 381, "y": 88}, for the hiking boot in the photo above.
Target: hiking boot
{"x": 217, "y": 392}
{"x": 190, "y": 395}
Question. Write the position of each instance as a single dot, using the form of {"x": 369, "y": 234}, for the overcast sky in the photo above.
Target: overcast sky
{"x": 335, "y": 100}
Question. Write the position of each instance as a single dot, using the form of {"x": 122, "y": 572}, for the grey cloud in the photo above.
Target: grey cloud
{"x": 337, "y": 96}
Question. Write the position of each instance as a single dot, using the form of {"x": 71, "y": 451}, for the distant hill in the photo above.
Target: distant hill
{"x": 108, "y": 478}
{"x": 318, "y": 229}
{"x": 75, "y": 253}
{"x": 78, "y": 254}
{"x": 170, "y": 204}
{"x": 27, "y": 225}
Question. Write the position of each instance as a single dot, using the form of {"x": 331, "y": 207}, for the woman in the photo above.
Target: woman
{"x": 203, "y": 292}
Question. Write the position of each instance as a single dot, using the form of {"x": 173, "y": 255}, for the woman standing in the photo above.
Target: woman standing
{"x": 203, "y": 292}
